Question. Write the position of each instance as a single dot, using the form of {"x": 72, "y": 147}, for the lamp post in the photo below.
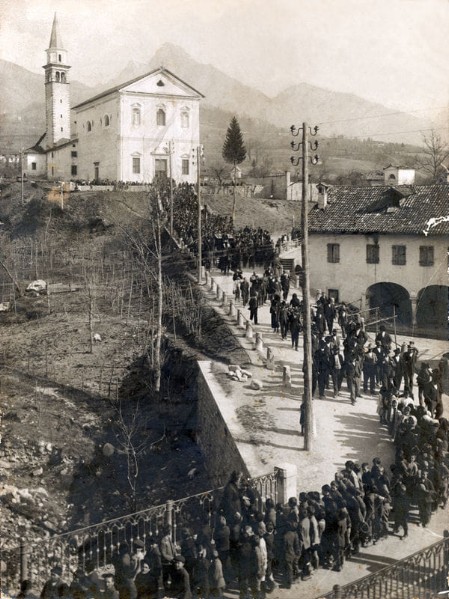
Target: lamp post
{"x": 304, "y": 145}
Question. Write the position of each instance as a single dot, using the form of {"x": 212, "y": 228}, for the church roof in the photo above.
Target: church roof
{"x": 55, "y": 38}
{"x": 37, "y": 148}
{"x": 403, "y": 209}
{"x": 117, "y": 88}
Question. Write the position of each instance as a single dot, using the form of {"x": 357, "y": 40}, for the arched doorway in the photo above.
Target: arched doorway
{"x": 391, "y": 299}
{"x": 432, "y": 306}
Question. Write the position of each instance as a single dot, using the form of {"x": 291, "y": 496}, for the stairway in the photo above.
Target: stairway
{"x": 288, "y": 264}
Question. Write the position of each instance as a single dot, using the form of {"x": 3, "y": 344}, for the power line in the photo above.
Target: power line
{"x": 376, "y": 116}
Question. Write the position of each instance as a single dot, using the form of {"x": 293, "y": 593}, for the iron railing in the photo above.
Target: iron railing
{"x": 420, "y": 576}
{"x": 92, "y": 547}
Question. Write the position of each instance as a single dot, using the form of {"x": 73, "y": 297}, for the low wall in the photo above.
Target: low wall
{"x": 213, "y": 434}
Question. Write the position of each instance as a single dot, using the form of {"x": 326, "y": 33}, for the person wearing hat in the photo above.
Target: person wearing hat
{"x": 168, "y": 553}
{"x": 369, "y": 370}
{"x": 180, "y": 587}
{"x": 384, "y": 338}
{"x": 409, "y": 358}
{"x": 54, "y": 587}
{"x": 153, "y": 558}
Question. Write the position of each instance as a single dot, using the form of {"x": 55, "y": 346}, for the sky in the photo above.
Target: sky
{"x": 395, "y": 52}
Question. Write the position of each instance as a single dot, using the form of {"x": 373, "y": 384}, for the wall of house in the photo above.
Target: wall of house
{"x": 149, "y": 141}
{"x": 100, "y": 143}
{"x": 59, "y": 162}
{"x": 352, "y": 275}
{"x": 40, "y": 160}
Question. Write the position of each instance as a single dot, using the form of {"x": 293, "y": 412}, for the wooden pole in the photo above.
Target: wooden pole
{"x": 308, "y": 428}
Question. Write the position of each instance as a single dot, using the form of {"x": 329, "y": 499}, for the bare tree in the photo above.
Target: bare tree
{"x": 130, "y": 432}
{"x": 435, "y": 152}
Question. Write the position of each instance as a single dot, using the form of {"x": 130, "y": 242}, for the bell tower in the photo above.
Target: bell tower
{"x": 57, "y": 96}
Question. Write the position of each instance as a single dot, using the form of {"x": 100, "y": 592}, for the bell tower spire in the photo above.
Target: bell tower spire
{"x": 57, "y": 95}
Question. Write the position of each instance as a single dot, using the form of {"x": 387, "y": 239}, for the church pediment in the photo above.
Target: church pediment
{"x": 159, "y": 83}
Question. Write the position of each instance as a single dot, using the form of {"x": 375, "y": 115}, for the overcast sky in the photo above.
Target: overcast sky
{"x": 391, "y": 51}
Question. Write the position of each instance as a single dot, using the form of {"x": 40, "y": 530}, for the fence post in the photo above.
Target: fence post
{"x": 231, "y": 308}
{"x": 23, "y": 562}
{"x": 336, "y": 589}
{"x": 219, "y": 292}
{"x": 223, "y": 299}
{"x": 286, "y": 475}
{"x": 212, "y": 284}
{"x": 270, "y": 359}
{"x": 259, "y": 342}
{"x": 249, "y": 330}
{"x": 240, "y": 318}
{"x": 169, "y": 515}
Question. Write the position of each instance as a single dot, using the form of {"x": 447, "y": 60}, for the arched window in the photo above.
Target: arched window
{"x": 62, "y": 77}
{"x": 89, "y": 126}
{"x": 106, "y": 120}
{"x": 185, "y": 119}
{"x": 136, "y": 116}
{"x": 392, "y": 177}
{"x": 57, "y": 76}
{"x": 160, "y": 118}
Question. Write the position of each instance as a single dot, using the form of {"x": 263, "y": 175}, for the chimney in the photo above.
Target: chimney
{"x": 322, "y": 195}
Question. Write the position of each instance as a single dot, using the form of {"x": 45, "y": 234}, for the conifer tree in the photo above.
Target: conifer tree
{"x": 234, "y": 151}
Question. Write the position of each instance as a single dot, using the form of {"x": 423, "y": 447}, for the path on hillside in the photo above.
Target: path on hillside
{"x": 342, "y": 432}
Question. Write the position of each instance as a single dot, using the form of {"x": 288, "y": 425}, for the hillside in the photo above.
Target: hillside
{"x": 22, "y": 102}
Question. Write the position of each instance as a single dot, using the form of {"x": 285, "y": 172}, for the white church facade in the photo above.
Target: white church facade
{"x": 145, "y": 128}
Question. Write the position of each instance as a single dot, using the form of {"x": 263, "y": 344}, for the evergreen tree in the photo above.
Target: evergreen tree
{"x": 234, "y": 151}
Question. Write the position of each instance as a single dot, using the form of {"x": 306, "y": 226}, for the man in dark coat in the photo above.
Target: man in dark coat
{"x": 291, "y": 551}
{"x": 180, "y": 587}
{"x": 384, "y": 338}
{"x": 253, "y": 306}
{"x": 369, "y": 371}
{"x": 52, "y": 589}
{"x": 244, "y": 289}
{"x": 409, "y": 358}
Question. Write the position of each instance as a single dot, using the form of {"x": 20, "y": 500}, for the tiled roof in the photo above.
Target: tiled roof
{"x": 400, "y": 209}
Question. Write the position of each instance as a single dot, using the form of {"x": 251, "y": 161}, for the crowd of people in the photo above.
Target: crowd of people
{"x": 238, "y": 544}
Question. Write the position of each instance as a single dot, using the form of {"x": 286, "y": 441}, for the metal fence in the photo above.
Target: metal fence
{"x": 92, "y": 547}
{"x": 420, "y": 576}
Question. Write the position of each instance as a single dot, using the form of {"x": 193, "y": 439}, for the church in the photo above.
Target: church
{"x": 144, "y": 128}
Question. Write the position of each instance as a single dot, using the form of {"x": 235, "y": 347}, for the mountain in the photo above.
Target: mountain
{"x": 294, "y": 105}
{"x": 22, "y": 105}
{"x": 23, "y": 115}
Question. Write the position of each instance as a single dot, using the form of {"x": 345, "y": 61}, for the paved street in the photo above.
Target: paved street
{"x": 341, "y": 432}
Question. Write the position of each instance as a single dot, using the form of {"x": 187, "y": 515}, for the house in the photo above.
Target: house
{"x": 144, "y": 128}
{"x": 378, "y": 247}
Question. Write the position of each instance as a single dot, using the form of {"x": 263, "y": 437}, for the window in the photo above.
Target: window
{"x": 74, "y": 154}
{"x": 33, "y": 166}
{"x": 62, "y": 77}
{"x": 59, "y": 58}
{"x": 333, "y": 293}
{"x": 160, "y": 167}
{"x": 185, "y": 166}
{"x": 106, "y": 120}
{"x": 57, "y": 76}
{"x": 333, "y": 252}
{"x": 426, "y": 257}
{"x": 392, "y": 177}
{"x": 136, "y": 165}
{"x": 89, "y": 126}
{"x": 372, "y": 254}
{"x": 399, "y": 255}
{"x": 185, "y": 119}
{"x": 136, "y": 116}
{"x": 74, "y": 170}
{"x": 160, "y": 118}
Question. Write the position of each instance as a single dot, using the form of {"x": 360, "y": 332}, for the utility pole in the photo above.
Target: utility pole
{"x": 307, "y": 398}
{"x": 170, "y": 153}
{"x": 21, "y": 175}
